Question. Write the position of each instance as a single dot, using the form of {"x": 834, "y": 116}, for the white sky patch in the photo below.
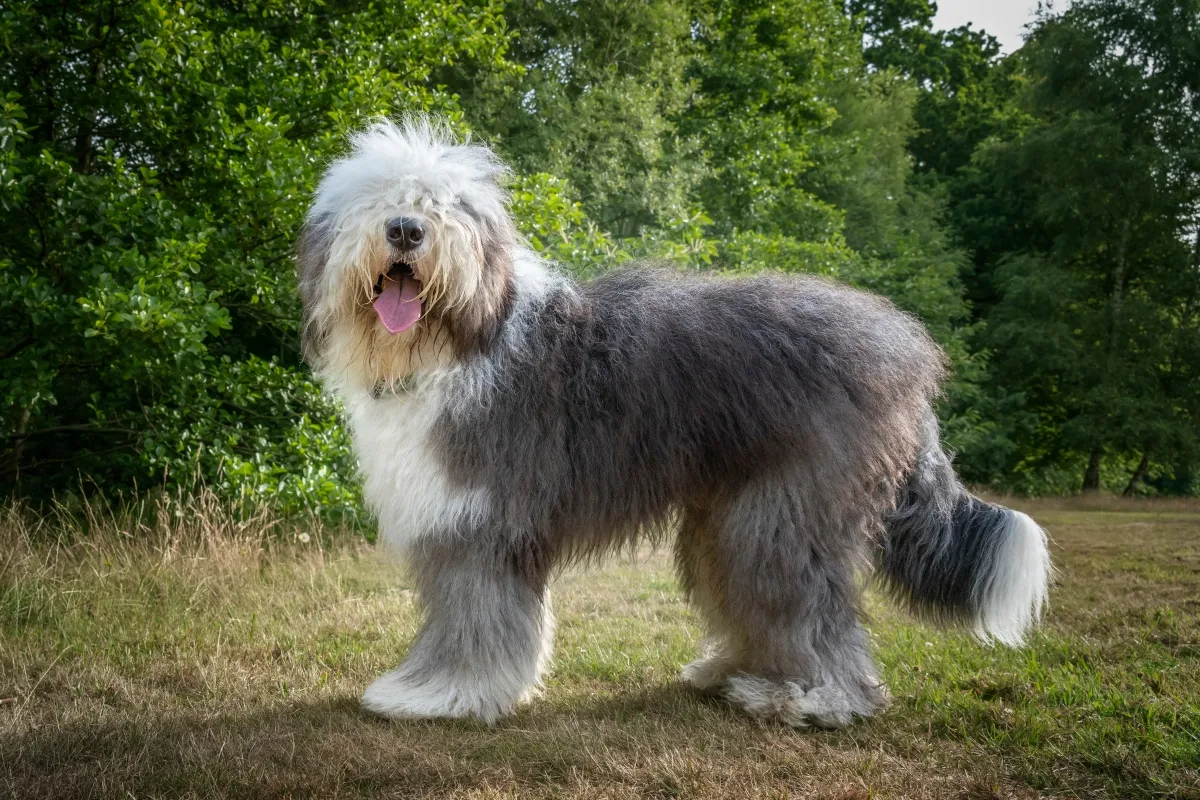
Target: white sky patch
{"x": 1004, "y": 19}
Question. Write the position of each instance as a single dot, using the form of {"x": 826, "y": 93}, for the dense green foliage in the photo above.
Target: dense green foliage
{"x": 1039, "y": 211}
{"x": 1085, "y": 223}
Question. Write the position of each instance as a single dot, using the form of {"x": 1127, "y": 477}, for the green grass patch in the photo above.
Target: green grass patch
{"x": 227, "y": 664}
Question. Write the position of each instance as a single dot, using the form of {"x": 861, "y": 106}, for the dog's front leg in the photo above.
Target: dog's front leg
{"x": 487, "y": 633}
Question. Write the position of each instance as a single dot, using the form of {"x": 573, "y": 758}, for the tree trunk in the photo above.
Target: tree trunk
{"x": 1117, "y": 301}
{"x": 1091, "y": 478}
{"x": 1196, "y": 250}
{"x": 18, "y": 446}
{"x": 1139, "y": 473}
{"x": 1116, "y": 304}
{"x": 84, "y": 145}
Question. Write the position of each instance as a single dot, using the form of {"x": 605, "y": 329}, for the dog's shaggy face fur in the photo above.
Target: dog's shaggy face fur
{"x": 508, "y": 419}
{"x": 463, "y": 268}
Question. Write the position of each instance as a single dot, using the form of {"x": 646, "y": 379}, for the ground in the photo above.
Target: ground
{"x": 204, "y": 657}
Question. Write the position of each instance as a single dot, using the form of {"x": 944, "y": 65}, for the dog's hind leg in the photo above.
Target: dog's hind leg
{"x": 783, "y": 563}
{"x": 487, "y": 635}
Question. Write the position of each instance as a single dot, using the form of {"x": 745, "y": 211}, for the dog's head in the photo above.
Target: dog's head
{"x": 405, "y": 260}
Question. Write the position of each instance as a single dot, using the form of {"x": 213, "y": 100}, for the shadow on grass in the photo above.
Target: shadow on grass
{"x": 331, "y": 747}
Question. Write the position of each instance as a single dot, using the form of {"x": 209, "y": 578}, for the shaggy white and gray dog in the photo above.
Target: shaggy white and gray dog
{"x": 509, "y": 420}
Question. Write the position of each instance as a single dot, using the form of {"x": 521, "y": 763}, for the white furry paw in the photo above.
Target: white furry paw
{"x": 709, "y": 672}
{"x": 400, "y": 695}
{"x": 821, "y": 706}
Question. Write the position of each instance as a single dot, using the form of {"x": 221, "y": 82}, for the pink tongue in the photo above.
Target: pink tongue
{"x": 398, "y": 307}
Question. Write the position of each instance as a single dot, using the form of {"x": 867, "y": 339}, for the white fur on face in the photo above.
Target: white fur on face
{"x": 409, "y": 169}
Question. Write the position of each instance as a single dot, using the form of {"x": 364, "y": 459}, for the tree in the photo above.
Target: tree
{"x": 1089, "y": 220}
{"x": 966, "y": 88}
{"x": 1040, "y": 212}
{"x": 594, "y": 104}
{"x": 155, "y": 162}
{"x": 764, "y": 75}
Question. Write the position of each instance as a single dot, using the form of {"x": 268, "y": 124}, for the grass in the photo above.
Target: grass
{"x": 189, "y": 654}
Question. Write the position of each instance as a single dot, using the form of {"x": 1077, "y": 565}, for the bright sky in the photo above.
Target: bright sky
{"x": 1004, "y": 19}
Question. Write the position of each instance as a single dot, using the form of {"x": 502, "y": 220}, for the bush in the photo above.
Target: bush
{"x": 155, "y": 163}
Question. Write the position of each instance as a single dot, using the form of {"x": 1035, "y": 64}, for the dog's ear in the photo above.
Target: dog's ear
{"x": 475, "y": 327}
{"x": 312, "y": 257}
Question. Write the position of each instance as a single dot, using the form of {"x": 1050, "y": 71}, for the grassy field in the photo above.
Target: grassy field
{"x": 201, "y": 657}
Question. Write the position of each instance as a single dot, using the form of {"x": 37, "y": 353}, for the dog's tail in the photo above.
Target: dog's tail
{"x": 951, "y": 557}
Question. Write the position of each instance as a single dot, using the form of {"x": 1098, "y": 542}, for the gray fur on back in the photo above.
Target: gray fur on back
{"x": 609, "y": 405}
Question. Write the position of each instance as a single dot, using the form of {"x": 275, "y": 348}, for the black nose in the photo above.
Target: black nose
{"x": 406, "y": 233}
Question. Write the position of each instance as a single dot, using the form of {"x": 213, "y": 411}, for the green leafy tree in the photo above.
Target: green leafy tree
{"x": 966, "y": 95}
{"x": 1089, "y": 220}
{"x": 966, "y": 88}
{"x": 1040, "y": 212}
{"x": 594, "y": 104}
{"x": 155, "y": 163}
{"x": 764, "y": 75}
{"x": 893, "y": 222}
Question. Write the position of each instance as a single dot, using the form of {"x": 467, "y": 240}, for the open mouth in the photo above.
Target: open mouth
{"x": 397, "y": 298}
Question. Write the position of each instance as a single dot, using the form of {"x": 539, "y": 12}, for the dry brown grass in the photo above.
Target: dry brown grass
{"x": 1101, "y": 502}
{"x": 193, "y": 652}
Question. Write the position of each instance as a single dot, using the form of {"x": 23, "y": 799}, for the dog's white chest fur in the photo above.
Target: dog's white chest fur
{"x": 405, "y": 483}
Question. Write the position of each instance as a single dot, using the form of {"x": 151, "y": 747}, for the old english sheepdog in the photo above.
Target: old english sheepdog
{"x": 509, "y": 420}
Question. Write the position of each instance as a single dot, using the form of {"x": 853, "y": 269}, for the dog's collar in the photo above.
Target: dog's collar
{"x": 405, "y": 385}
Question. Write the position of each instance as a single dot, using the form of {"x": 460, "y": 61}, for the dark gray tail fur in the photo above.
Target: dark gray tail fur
{"x": 953, "y": 558}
